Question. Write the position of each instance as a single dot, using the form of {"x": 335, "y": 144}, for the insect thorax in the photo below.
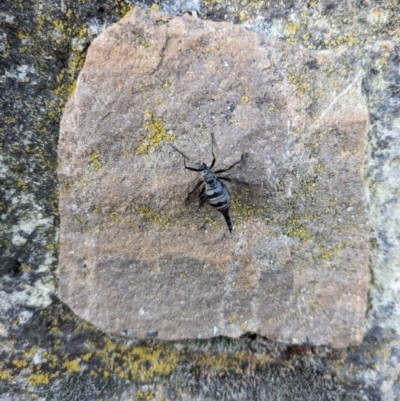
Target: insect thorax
{"x": 208, "y": 175}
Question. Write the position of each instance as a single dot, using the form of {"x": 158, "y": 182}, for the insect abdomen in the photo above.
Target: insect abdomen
{"x": 218, "y": 195}
{"x": 225, "y": 212}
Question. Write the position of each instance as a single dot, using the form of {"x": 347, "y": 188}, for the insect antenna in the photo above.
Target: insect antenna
{"x": 233, "y": 165}
{"x": 184, "y": 159}
{"x": 173, "y": 147}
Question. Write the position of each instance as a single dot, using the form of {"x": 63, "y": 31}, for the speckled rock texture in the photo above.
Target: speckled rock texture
{"x": 136, "y": 258}
{"x": 49, "y": 353}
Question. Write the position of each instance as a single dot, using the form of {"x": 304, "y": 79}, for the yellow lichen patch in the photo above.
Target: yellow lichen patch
{"x": 155, "y": 7}
{"x": 95, "y": 160}
{"x": 243, "y": 16}
{"x": 158, "y": 134}
{"x": 10, "y": 120}
{"x": 273, "y": 109}
{"x": 233, "y": 319}
{"x": 147, "y": 362}
{"x": 327, "y": 253}
{"x": 26, "y": 268}
{"x": 317, "y": 94}
{"x": 348, "y": 39}
{"x": 298, "y": 81}
{"x": 242, "y": 212}
{"x": 114, "y": 215}
{"x": 21, "y": 184}
{"x": 292, "y": 27}
{"x": 79, "y": 220}
{"x": 245, "y": 99}
{"x": 144, "y": 395}
{"x": 296, "y": 229}
{"x": 332, "y": 203}
{"x": 39, "y": 379}
{"x": 19, "y": 363}
{"x": 212, "y": 223}
{"x": 126, "y": 154}
{"x": 166, "y": 85}
{"x": 4, "y": 375}
{"x": 160, "y": 218}
{"x": 51, "y": 245}
{"x": 307, "y": 186}
{"x": 67, "y": 76}
{"x": 196, "y": 53}
{"x": 123, "y": 7}
{"x": 72, "y": 366}
{"x": 142, "y": 39}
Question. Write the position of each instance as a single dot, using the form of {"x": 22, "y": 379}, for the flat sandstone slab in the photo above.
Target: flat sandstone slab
{"x": 139, "y": 258}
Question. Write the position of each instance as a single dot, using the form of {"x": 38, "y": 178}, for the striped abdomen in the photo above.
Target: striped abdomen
{"x": 219, "y": 197}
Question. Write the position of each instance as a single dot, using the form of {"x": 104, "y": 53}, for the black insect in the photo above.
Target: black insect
{"x": 214, "y": 189}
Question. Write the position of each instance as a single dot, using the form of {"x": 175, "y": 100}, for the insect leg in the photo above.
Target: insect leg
{"x": 212, "y": 151}
{"x": 201, "y": 196}
{"x": 233, "y": 165}
{"x": 233, "y": 180}
{"x": 196, "y": 187}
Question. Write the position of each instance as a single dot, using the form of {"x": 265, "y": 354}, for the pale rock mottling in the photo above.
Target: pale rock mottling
{"x": 136, "y": 258}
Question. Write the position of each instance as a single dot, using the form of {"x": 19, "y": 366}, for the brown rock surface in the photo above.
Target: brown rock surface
{"x": 137, "y": 258}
